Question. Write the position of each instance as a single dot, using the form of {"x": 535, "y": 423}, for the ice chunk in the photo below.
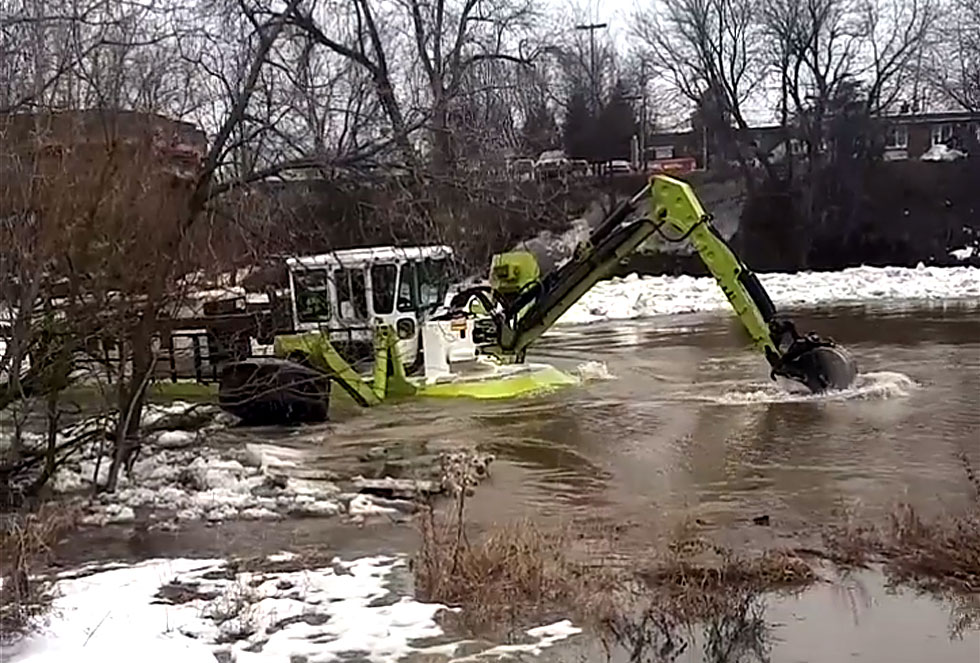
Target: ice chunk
{"x": 258, "y": 513}
{"x": 364, "y": 505}
{"x": 175, "y": 439}
{"x": 119, "y": 513}
{"x": 619, "y": 299}
{"x": 317, "y": 508}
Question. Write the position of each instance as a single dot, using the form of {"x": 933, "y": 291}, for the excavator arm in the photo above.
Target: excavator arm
{"x": 521, "y": 306}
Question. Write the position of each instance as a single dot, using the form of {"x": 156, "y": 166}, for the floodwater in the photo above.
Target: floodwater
{"x": 679, "y": 424}
{"x": 687, "y": 426}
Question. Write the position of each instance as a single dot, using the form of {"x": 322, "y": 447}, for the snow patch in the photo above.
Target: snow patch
{"x": 154, "y": 413}
{"x": 636, "y": 297}
{"x": 941, "y": 152}
{"x": 175, "y": 439}
{"x": 198, "y": 484}
{"x": 192, "y": 611}
{"x": 364, "y": 505}
{"x": 964, "y": 253}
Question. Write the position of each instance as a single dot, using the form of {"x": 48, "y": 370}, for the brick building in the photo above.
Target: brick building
{"x": 906, "y": 136}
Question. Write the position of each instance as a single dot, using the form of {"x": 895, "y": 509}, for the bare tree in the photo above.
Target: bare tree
{"x": 896, "y": 34}
{"x": 953, "y": 64}
{"x": 710, "y": 51}
{"x": 447, "y": 41}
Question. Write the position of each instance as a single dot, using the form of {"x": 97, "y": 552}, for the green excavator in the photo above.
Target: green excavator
{"x": 522, "y": 306}
{"x": 477, "y": 345}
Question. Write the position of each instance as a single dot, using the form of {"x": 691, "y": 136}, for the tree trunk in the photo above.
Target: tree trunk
{"x": 132, "y": 398}
{"x": 50, "y": 452}
{"x": 442, "y": 157}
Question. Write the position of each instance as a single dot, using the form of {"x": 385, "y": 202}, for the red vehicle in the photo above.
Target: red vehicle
{"x": 676, "y": 166}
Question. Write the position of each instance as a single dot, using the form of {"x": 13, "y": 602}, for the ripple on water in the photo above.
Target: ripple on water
{"x": 868, "y": 386}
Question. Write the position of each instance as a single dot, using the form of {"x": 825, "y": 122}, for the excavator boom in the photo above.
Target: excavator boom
{"x": 521, "y": 311}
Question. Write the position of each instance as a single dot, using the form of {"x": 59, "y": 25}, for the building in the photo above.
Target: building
{"x": 910, "y": 135}
{"x": 71, "y": 160}
{"x": 906, "y": 136}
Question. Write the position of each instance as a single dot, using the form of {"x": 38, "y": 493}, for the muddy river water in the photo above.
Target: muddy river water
{"x": 678, "y": 421}
{"x": 678, "y": 424}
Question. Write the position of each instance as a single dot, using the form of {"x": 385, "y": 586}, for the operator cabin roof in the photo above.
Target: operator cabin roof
{"x": 370, "y": 255}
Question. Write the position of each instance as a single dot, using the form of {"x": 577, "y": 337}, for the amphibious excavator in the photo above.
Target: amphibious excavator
{"x": 476, "y": 343}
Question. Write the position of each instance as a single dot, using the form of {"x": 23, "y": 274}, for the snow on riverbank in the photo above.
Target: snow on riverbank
{"x": 181, "y": 475}
{"x": 176, "y": 472}
{"x": 637, "y": 297}
{"x": 200, "y": 611}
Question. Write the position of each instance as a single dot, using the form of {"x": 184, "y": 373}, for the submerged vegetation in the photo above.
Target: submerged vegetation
{"x": 940, "y": 554}
{"x": 26, "y": 542}
{"x": 694, "y": 595}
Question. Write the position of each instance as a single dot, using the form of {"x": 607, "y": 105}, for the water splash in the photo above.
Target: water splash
{"x": 882, "y": 385}
{"x": 594, "y": 371}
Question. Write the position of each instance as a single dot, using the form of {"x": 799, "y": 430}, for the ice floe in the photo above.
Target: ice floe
{"x": 637, "y": 297}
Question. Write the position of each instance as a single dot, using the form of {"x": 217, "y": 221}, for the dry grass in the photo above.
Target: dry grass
{"x": 942, "y": 554}
{"x": 513, "y": 573}
{"x": 694, "y": 591}
{"x": 694, "y": 595}
{"x": 700, "y": 595}
{"x": 658, "y": 627}
{"x": 517, "y": 571}
{"x": 938, "y": 555}
{"x": 24, "y": 550}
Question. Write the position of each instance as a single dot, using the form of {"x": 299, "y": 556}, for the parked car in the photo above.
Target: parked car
{"x": 580, "y": 167}
{"x": 551, "y": 163}
{"x": 620, "y": 167}
{"x": 941, "y": 152}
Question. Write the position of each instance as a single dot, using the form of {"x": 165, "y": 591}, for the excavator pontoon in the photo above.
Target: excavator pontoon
{"x": 477, "y": 344}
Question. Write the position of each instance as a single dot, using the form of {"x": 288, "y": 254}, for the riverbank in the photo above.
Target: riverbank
{"x": 477, "y": 597}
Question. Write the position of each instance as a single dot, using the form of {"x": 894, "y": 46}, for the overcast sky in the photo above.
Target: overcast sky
{"x": 614, "y": 12}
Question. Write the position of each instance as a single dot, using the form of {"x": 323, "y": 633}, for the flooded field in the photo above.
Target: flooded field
{"x": 677, "y": 426}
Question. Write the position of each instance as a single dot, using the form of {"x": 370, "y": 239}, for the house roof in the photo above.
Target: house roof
{"x": 932, "y": 118}
{"x": 354, "y": 257}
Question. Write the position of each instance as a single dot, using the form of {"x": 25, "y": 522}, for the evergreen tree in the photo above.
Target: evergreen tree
{"x": 540, "y": 131}
{"x": 579, "y": 127}
{"x": 616, "y": 125}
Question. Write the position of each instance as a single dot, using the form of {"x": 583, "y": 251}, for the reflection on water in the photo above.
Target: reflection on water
{"x": 844, "y": 618}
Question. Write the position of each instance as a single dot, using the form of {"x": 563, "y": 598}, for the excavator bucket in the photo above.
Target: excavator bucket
{"x": 816, "y": 362}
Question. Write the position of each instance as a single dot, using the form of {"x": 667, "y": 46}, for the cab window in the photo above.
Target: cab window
{"x": 312, "y": 295}
{"x": 383, "y": 279}
{"x": 433, "y": 283}
{"x": 351, "y": 296}
{"x": 406, "y": 288}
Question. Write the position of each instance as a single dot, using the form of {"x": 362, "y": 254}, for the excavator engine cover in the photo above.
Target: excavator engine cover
{"x": 512, "y": 272}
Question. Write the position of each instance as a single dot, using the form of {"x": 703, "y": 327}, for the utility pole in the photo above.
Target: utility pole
{"x": 592, "y": 27}
{"x": 637, "y": 142}
{"x": 643, "y": 116}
